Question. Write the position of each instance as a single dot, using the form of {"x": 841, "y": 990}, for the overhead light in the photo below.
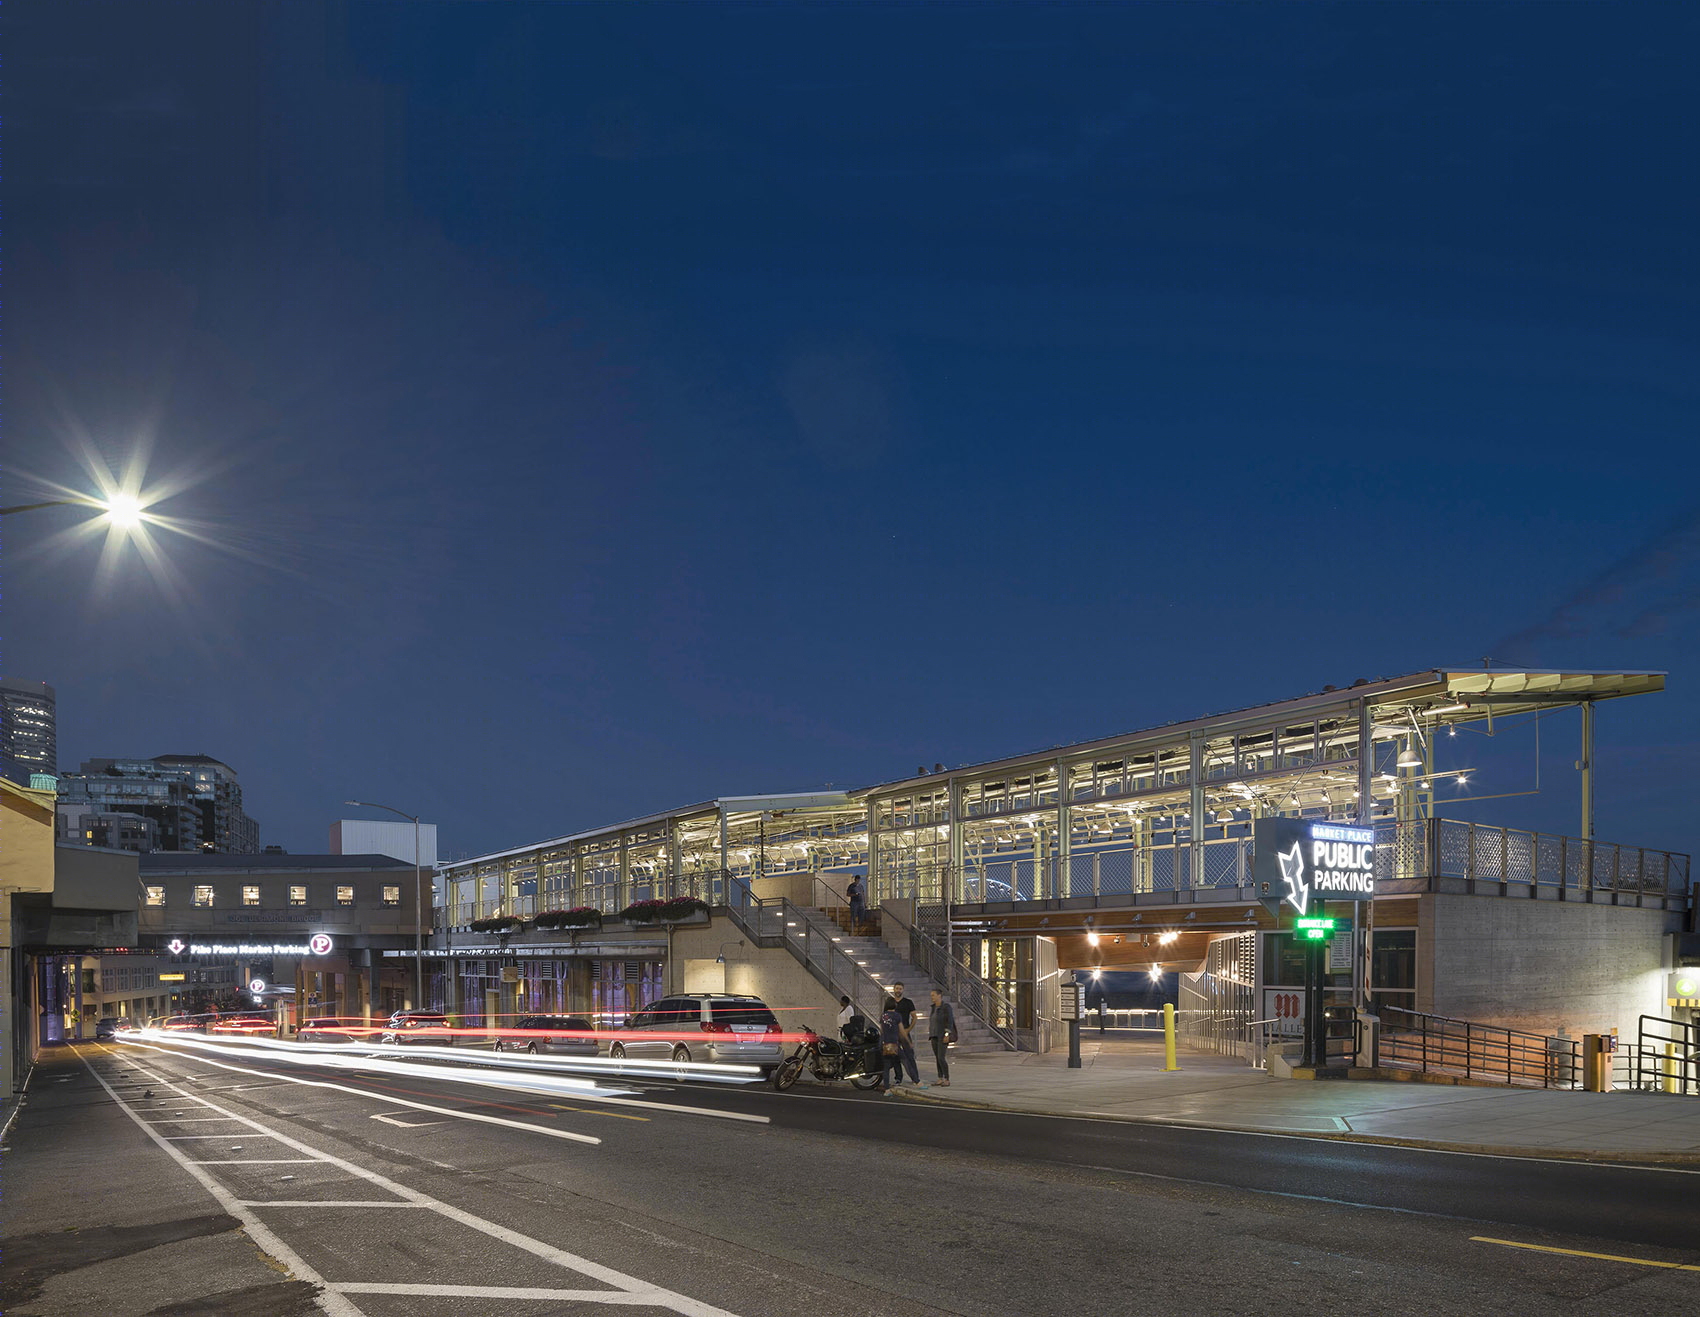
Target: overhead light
{"x": 1091, "y": 938}
{"x": 1463, "y": 778}
{"x": 1451, "y": 730}
{"x": 1163, "y": 939}
{"x": 1410, "y": 759}
{"x": 1448, "y": 708}
{"x": 1156, "y": 973}
{"x": 1097, "y": 973}
{"x": 1423, "y": 784}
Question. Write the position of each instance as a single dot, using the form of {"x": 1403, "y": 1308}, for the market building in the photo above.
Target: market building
{"x": 1004, "y": 879}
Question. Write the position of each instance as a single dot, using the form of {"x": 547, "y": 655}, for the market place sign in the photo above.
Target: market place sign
{"x": 1297, "y": 861}
{"x": 317, "y": 945}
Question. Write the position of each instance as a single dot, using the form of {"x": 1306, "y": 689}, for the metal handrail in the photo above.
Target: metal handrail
{"x": 1489, "y": 1051}
{"x": 966, "y": 988}
{"x": 1667, "y": 1055}
{"x": 771, "y": 919}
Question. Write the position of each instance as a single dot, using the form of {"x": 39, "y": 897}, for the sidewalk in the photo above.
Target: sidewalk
{"x": 1123, "y": 1077}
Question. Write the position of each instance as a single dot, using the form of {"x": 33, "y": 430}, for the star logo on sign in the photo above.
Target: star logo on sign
{"x": 175, "y": 946}
{"x": 1293, "y": 874}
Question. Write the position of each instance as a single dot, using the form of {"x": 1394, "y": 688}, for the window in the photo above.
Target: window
{"x": 392, "y": 896}
{"x": 297, "y": 896}
{"x": 345, "y": 896}
{"x": 250, "y": 894}
{"x": 156, "y": 896}
{"x": 203, "y": 894}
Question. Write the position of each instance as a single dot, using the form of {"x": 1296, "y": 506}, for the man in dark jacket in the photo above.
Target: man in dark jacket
{"x": 941, "y": 1032}
{"x": 906, "y": 1045}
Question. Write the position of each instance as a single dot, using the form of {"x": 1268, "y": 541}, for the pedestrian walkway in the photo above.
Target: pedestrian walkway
{"x": 1122, "y": 1076}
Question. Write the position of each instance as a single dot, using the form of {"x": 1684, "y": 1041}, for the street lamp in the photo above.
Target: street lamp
{"x": 418, "y": 902}
{"x": 122, "y": 508}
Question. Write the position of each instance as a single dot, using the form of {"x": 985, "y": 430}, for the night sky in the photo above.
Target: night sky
{"x": 583, "y": 410}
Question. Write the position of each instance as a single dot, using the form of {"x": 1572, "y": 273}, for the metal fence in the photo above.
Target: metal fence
{"x": 1414, "y": 1040}
{"x": 1666, "y": 1058}
{"x": 1478, "y": 852}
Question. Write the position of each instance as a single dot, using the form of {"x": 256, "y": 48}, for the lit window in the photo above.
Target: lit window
{"x": 203, "y": 895}
{"x": 345, "y": 896}
{"x": 297, "y": 896}
{"x": 392, "y": 896}
{"x": 250, "y": 895}
{"x": 156, "y": 896}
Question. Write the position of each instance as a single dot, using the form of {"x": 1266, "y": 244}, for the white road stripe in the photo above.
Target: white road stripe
{"x": 644, "y": 1298}
{"x": 390, "y": 1101}
{"x": 332, "y": 1303}
{"x": 407, "y": 1124}
{"x": 228, "y": 1134}
{"x": 324, "y": 1202}
{"x": 644, "y": 1291}
{"x": 262, "y": 1161}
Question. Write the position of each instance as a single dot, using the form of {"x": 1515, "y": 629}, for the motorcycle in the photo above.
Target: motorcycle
{"x": 857, "y": 1060}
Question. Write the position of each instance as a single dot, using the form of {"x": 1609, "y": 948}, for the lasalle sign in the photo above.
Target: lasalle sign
{"x": 1295, "y": 861}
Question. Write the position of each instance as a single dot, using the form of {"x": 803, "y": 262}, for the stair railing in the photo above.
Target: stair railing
{"x": 962, "y": 985}
{"x": 775, "y": 921}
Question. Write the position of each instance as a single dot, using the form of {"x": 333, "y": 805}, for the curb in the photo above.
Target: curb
{"x": 1594, "y": 1155}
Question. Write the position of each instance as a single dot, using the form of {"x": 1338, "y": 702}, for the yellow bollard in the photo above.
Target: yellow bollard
{"x": 1670, "y": 1069}
{"x": 1169, "y": 1062}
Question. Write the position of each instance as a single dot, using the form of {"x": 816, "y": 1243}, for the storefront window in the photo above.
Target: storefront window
{"x": 204, "y": 895}
{"x": 250, "y": 895}
{"x": 297, "y": 896}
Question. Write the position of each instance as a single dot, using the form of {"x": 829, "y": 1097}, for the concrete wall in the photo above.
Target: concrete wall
{"x": 770, "y": 973}
{"x": 1543, "y": 966}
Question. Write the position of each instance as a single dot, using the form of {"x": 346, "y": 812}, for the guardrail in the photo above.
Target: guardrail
{"x": 1666, "y": 1057}
{"x": 1485, "y": 1051}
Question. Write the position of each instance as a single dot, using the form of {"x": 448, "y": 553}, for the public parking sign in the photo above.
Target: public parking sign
{"x": 1295, "y": 861}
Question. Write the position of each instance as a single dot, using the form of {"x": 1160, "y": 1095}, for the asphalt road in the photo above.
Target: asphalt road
{"x": 411, "y": 1194}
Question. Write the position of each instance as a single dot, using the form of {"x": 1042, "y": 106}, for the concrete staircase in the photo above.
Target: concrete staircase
{"x": 877, "y": 957}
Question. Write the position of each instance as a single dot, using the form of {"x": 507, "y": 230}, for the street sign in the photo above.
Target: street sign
{"x": 1073, "y": 1002}
{"x": 256, "y": 985}
{"x": 1683, "y": 988}
{"x": 1296, "y": 861}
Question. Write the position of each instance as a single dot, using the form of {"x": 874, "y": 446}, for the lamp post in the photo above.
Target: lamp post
{"x": 121, "y": 509}
{"x": 418, "y": 902}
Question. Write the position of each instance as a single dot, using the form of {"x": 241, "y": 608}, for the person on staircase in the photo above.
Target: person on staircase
{"x": 858, "y": 907}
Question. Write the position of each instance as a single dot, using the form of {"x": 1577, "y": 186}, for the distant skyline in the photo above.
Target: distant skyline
{"x": 581, "y": 410}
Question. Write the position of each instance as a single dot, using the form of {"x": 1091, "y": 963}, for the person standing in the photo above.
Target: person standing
{"x": 858, "y": 905}
{"x": 891, "y": 1047}
{"x": 941, "y": 1031}
{"x": 906, "y": 1053}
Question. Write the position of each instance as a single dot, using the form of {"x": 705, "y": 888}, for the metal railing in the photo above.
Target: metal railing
{"x": 815, "y": 941}
{"x": 1481, "y": 853}
{"x": 961, "y": 984}
{"x": 1667, "y": 1056}
{"x": 1423, "y": 1042}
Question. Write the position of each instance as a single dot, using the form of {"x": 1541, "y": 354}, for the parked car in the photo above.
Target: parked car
{"x": 330, "y": 1029}
{"x": 106, "y": 1027}
{"x": 561, "y": 1035}
{"x": 412, "y": 1027}
{"x": 703, "y": 1026}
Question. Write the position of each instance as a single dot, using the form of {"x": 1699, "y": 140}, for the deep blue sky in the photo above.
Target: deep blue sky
{"x": 618, "y": 406}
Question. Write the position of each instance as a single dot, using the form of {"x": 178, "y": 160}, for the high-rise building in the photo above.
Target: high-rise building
{"x": 195, "y": 800}
{"x": 28, "y": 742}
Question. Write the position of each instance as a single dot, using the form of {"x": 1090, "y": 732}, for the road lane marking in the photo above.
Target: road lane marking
{"x": 262, "y": 1161}
{"x": 636, "y": 1298}
{"x": 334, "y": 1305}
{"x": 592, "y": 1111}
{"x": 641, "y": 1292}
{"x": 385, "y": 1098}
{"x": 323, "y": 1202}
{"x": 408, "y": 1124}
{"x": 1583, "y": 1253}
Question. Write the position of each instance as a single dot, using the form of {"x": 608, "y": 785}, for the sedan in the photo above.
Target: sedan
{"x": 409, "y": 1027}
{"x": 560, "y": 1035}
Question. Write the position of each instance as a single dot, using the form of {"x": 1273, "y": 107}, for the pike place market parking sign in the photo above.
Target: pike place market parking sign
{"x": 1297, "y": 861}
{"x": 317, "y": 945}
